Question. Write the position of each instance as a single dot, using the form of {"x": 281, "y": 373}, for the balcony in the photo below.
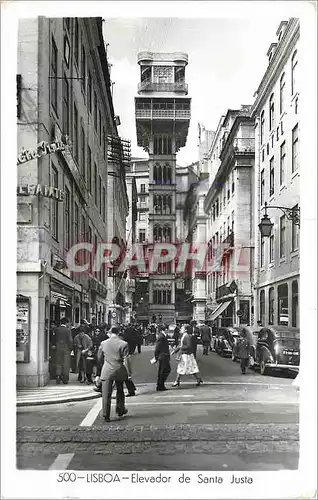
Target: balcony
{"x": 229, "y": 240}
{"x": 149, "y": 86}
{"x": 243, "y": 146}
{"x": 222, "y": 291}
{"x": 170, "y": 114}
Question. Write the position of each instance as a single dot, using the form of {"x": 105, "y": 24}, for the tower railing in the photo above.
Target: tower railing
{"x": 148, "y": 85}
{"x": 163, "y": 113}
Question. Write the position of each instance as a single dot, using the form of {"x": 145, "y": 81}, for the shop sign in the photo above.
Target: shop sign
{"x": 44, "y": 148}
{"x": 40, "y": 190}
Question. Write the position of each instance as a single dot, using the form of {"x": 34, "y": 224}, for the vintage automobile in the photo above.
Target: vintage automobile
{"x": 277, "y": 348}
{"x": 226, "y": 338}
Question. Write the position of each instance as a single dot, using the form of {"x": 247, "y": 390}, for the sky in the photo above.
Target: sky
{"x": 227, "y": 60}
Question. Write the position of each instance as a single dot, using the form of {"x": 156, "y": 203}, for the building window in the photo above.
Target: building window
{"x": 295, "y": 233}
{"x": 262, "y": 186}
{"x": 162, "y": 174}
{"x": 55, "y": 205}
{"x": 282, "y": 298}
{"x": 233, "y": 182}
{"x": 83, "y": 142}
{"x": 271, "y": 248}
{"x": 282, "y": 236}
{"x": 277, "y": 134}
{"x": 76, "y": 40}
{"x": 294, "y": 64}
{"x": 53, "y": 78}
{"x": 89, "y": 93}
{"x": 89, "y": 169}
{"x": 162, "y": 204}
{"x": 271, "y": 112}
{"x": 83, "y": 69}
{"x": 100, "y": 127}
{"x": 100, "y": 194}
{"x": 295, "y": 149}
{"x": 142, "y": 201}
{"x": 142, "y": 235}
{"x": 83, "y": 229}
{"x": 282, "y": 93}
{"x": 262, "y": 252}
{"x": 263, "y": 154}
{"x": 76, "y": 222}
{"x": 75, "y": 133}
{"x": 142, "y": 216}
{"x": 271, "y": 306}
{"x": 65, "y": 106}
{"x": 271, "y": 177}
{"x": 162, "y": 296}
{"x": 95, "y": 111}
{"x": 162, "y": 234}
{"x": 95, "y": 184}
{"x": 66, "y": 51}
{"x": 262, "y": 126}
{"x": 217, "y": 207}
{"x": 296, "y": 105}
{"x": 262, "y": 307}
{"x": 67, "y": 225}
{"x": 104, "y": 204}
{"x": 142, "y": 188}
{"x": 162, "y": 145}
{"x": 295, "y": 305}
{"x": 282, "y": 163}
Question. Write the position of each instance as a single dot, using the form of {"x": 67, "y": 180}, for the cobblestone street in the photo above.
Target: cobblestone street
{"x": 237, "y": 422}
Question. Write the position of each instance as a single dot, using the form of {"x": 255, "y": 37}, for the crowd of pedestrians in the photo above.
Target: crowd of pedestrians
{"x": 103, "y": 355}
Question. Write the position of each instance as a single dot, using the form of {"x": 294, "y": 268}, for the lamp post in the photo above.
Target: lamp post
{"x": 265, "y": 226}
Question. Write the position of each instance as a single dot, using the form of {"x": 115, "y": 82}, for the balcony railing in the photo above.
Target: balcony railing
{"x": 244, "y": 145}
{"x": 150, "y": 86}
{"x": 163, "y": 113}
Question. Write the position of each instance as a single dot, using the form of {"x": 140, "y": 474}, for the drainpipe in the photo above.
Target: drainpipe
{"x": 256, "y": 212}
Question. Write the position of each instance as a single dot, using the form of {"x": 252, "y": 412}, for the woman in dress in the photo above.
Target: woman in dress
{"x": 187, "y": 364}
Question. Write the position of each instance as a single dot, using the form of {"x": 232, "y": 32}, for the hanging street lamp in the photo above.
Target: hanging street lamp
{"x": 265, "y": 226}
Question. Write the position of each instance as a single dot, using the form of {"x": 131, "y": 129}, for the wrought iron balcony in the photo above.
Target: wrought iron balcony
{"x": 229, "y": 239}
{"x": 222, "y": 291}
{"x": 149, "y": 86}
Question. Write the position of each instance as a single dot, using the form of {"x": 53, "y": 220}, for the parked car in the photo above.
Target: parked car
{"x": 277, "y": 348}
{"x": 226, "y": 341}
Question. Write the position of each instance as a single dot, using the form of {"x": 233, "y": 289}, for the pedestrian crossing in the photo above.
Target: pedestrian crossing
{"x": 54, "y": 395}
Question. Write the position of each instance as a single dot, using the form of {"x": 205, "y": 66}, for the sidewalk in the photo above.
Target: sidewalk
{"x": 55, "y": 394}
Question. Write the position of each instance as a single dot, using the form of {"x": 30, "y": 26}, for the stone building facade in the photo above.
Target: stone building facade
{"x": 277, "y": 181}
{"x": 64, "y": 116}
{"x": 229, "y": 208}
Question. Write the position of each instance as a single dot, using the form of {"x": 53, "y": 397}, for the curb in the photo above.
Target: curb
{"x": 69, "y": 399}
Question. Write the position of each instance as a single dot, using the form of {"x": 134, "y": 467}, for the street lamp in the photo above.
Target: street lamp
{"x": 265, "y": 226}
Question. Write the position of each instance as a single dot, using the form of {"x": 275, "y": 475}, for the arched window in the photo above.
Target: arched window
{"x": 271, "y": 306}
{"x": 294, "y": 64}
{"x": 282, "y": 93}
{"x": 164, "y": 176}
{"x": 159, "y": 174}
{"x": 155, "y": 174}
{"x": 295, "y": 304}
{"x": 271, "y": 112}
{"x": 262, "y": 307}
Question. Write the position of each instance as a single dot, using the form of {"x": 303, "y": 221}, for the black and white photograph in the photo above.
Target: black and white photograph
{"x": 158, "y": 203}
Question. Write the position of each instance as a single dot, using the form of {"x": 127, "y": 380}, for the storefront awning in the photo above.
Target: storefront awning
{"x": 221, "y": 308}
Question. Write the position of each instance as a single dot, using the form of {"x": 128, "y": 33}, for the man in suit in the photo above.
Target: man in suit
{"x": 64, "y": 343}
{"x": 162, "y": 354}
{"x": 195, "y": 334}
{"x": 206, "y": 337}
{"x": 115, "y": 354}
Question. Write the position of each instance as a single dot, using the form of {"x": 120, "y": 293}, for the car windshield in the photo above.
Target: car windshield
{"x": 289, "y": 342}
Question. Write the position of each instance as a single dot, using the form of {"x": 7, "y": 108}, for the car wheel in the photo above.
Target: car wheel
{"x": 262, "y": 367}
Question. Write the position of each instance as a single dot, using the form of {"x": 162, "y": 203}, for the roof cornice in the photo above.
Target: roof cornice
{"x": 279, "y": 58}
